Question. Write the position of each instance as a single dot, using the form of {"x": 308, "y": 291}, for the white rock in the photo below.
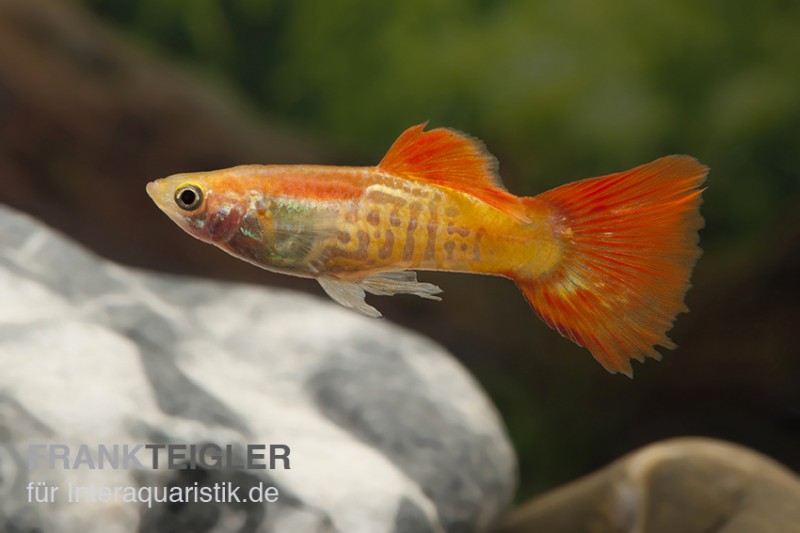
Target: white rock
{"x": 387, "y": 431}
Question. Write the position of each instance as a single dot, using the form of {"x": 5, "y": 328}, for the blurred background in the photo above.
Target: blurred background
{"x": 98, "y": 97}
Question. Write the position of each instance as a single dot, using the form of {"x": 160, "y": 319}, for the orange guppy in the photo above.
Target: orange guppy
{"x": 604, "y": 261}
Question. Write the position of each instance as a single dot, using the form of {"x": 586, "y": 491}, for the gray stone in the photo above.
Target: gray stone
{"x": 690, "y": 485}
{"x": 387, "y": 432}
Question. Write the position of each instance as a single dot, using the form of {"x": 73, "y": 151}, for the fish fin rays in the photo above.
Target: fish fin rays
{"x": 452, "y": 159}
{"x": 629, "y": 244}
{"x": 348, "y": 294}
{"x": 444, "y": 156}
{"x": 351, "y": 293}
{"x": 399, "y": 282}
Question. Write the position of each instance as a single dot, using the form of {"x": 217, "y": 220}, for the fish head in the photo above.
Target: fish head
{"x": 208, "y": 205}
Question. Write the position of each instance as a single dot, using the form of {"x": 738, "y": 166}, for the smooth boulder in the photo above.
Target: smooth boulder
{"x": 691, "y": 485}
{"x": 386, "y": 431}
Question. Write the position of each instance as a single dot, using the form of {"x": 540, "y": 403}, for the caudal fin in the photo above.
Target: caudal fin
{"x": 629, "y": 244}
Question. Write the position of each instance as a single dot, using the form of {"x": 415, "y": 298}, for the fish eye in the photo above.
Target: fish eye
{"x": 189, "y": 197}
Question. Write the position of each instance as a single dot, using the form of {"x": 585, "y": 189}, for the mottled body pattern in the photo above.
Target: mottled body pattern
{"x": 604, "y": 261}
{"x": 396, "y": 224}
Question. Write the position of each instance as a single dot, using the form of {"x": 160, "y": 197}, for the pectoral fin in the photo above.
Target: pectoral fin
{"x": 351, "y": 293}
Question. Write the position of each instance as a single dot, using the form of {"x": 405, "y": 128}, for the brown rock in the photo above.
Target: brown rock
{"x": 86, "y": 120}
{"x": 682, "y": 485}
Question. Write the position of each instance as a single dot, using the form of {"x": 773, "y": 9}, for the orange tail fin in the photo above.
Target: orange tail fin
{"x": 629, "y": 244}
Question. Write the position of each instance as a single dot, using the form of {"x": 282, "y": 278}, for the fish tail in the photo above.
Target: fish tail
{"x": 628, "y": 245}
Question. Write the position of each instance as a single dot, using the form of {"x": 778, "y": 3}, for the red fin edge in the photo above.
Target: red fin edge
{"x": 451, "y": 159}
{"x": 629, "y": 246}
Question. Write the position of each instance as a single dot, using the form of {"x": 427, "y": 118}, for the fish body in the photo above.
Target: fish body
{"x": 604, "y": 261}
{"x": 374, "y": 222}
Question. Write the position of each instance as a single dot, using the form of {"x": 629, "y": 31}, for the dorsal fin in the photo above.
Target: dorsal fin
{"x": 452, "y": 159}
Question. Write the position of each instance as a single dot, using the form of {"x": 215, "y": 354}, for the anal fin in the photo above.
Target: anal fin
{"x": 351, "y": 293}
{"x": 399, "y": 282}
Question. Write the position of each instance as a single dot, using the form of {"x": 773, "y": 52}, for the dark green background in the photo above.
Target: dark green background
{"x": 559, "y": 90}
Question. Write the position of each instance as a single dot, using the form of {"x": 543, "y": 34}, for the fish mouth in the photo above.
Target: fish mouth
{"x": 157, "y": 191}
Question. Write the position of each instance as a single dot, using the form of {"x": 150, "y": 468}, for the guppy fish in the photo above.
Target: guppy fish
{"x": 604, "y": 261}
